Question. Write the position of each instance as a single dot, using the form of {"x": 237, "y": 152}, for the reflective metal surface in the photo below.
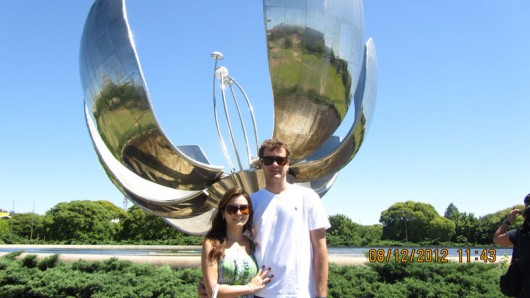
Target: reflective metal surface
{"x": 364, "y": 101}
{"x": 161, "y": 178}
{"x": 227, "y": 82}
{"x": 315, "y": 53}
{"x": 318, "y": 66}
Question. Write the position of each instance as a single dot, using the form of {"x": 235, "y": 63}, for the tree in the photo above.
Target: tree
{"x": 27, "y": 225}
{"x": 140, "y": 225}
{"x": 465, "y": 224}
{"x": 343, "y": 231}
{"x": 412, "y": 221}
{"x": 84, "y": 221}
{"x": 4, "y": 228}
{"x": 465, "y": 228}
{"x": 441, "y": 229}
{"x": 371, "y": 233}
{"x": 451, "y": 212}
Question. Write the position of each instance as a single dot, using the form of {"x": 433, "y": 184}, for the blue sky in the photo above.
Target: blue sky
{"x": 450, "y": 123}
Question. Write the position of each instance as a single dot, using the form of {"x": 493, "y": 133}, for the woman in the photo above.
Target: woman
{"x": 228, "y": 266}
{"x": 520, "y": 239}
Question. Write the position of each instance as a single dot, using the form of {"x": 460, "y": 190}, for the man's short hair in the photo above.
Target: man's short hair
{"x": 274, "y": 144}
{"x": 527, "y": 200}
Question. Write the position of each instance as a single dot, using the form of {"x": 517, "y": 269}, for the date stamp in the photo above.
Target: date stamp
{"x": 429, "y": 255}
{"x": 408, "y": 255}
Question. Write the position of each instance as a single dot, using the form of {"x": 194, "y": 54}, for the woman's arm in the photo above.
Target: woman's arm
{"x": 209, "y": 268}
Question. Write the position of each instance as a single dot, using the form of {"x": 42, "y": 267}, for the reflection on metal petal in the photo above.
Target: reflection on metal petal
{"x": 315, "y": 53}
{"x": 323, "y": 183}
{"x": 168, "y": 180}
{"x": 117, "y": 98}
{"x": 250, "y": 180}
{"x": 152, "y": 197}
{"x": 344, "y": 153}
{"x": 317, "y": 64}
{"x": 198, "y": 225}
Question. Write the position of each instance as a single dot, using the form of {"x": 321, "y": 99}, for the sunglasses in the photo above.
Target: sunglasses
{"x": 269, "y": 160}
{"x": 232, "y": 209}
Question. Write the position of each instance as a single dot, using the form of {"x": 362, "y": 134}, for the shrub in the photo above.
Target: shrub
{"x": 118, "y": 278}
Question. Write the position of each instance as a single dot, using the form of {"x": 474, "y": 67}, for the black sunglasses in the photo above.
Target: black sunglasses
{"x": 232, "y": 209}
{"x": 269, "y": 160}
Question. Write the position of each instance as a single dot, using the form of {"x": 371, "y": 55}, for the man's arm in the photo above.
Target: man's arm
{"x": 320, "y": 261}
{"x": 500, "y": 237}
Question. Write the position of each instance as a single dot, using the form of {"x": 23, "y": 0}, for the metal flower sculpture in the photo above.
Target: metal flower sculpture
{"x": 319, "y": 67}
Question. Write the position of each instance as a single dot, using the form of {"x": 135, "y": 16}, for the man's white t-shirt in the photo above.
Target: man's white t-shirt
{"x": 281, "y": 233}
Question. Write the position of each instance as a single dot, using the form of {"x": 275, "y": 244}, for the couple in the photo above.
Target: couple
{"x": 287, "y": 226}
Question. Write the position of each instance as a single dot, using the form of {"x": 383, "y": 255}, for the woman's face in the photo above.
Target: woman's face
{"x": 237, "y": 212}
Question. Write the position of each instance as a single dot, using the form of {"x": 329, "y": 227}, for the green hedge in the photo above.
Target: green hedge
{"x": 416, "y": 280}
{"x": 28, "y": 277}
{"x": 32, "y": 277}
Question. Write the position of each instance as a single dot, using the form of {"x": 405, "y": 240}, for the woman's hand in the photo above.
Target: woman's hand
{"x": 261, "y": 279}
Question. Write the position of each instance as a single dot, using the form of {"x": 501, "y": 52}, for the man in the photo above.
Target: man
{"x": 290, "y": 229}
{"x": 501, "y": 237}
{"x": 520, "y": 240}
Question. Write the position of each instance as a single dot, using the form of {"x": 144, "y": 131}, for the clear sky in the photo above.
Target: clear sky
{"x": 451, "y": 121}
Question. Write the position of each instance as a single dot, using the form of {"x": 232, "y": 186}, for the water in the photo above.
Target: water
{"x": 463, "y": 252}
{"x": 87, "y": 250}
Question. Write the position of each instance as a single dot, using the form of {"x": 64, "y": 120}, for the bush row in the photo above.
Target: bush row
{"x": 31, "y": 277}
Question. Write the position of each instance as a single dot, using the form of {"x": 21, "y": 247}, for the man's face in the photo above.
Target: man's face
{"x": 271, "y": 163}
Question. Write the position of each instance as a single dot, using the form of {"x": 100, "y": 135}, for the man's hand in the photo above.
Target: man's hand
{"x": 320, "y": 261}
{"x": 201, "y": 289}
{"x": 512, "y": 215}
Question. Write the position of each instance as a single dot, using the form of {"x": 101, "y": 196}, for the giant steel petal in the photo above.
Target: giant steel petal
{"x": 152, "y": 197}
{"x": 315, "y": 54}
{"x": 344, "y": 153}
{"x": 198, "y": 225}
{"x": 120, "y": 116}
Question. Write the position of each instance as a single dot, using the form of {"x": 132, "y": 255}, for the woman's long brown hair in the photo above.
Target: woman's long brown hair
{"x": 217, "y": 233}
